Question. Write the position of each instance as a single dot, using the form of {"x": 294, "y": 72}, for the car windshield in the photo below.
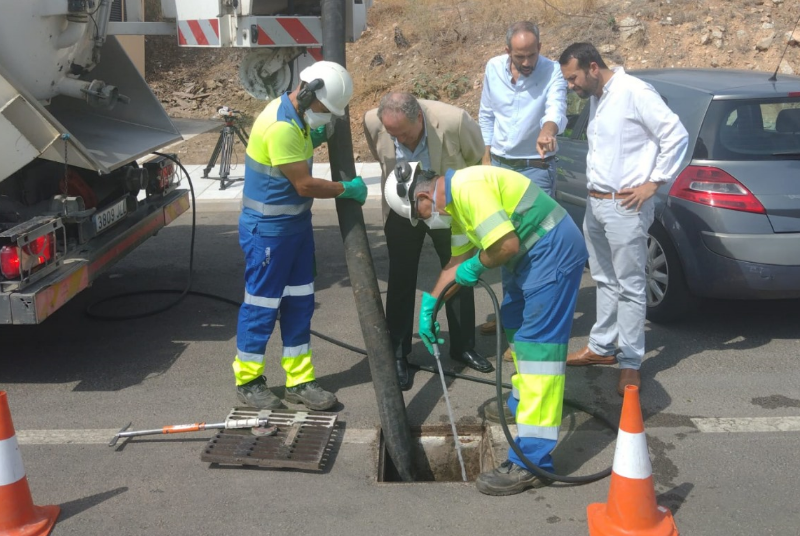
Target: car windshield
{"x": 750, "y": 129}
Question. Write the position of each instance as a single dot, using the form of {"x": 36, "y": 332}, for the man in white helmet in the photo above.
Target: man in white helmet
{"x": 276, "y": 235}
{"x": 499, "y": 217}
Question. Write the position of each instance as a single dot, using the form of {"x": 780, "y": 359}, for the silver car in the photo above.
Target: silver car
{"x": 728, "y": 226}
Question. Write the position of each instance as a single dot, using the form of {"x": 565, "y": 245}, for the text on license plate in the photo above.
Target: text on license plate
{"x": 105, "y": 218}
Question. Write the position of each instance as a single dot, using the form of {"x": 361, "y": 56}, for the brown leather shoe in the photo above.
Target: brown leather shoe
{"x": 584, "y": 356}
{"x": 488, "y": 328}
{"x": 507, "y": 355}
{"x": 627, "y": 377}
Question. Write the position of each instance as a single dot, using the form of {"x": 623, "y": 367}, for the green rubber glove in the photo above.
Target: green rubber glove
{"x": 428, "y": 334}
{"x": 318, "y": 136}
{"x": 469, "y": 271}
{"x": 355, "y": 189}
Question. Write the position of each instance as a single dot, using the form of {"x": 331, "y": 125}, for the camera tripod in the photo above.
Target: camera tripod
{"x": 224, "y": 148}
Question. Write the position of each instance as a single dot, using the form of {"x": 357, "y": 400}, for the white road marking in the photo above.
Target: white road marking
{"x": 363, "y": 436}
{"x": 65, "y": 437}
{"x": 366, "y": 436}
{"x": 748, "y": 424}
{"x": 355, "y": 436}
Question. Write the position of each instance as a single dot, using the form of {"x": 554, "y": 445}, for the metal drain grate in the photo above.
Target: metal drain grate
{"x": 300, "y": 443}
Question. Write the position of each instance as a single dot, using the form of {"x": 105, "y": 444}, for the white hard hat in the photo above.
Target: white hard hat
{"x": 337, "y": 86}
{"x": 399, "y": 190}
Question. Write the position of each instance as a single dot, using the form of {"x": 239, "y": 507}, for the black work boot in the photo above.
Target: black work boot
{"x": 491, "y": 413}
{"x": 311, "y": 395}
{"x": 508, "y": 479}
{"x": 404, "y": 377}
{"x": 256, "y": 394}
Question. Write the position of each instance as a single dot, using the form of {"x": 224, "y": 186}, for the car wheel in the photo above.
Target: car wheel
{"x": 668, "y": 297}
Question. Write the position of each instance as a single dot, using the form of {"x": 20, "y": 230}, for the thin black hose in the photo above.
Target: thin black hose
{"x": 530, "y": 466}
{"x": 182, "y": 293}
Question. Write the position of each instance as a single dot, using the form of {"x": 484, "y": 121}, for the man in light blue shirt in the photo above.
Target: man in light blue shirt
{"x": 419, "y": 154}
{"x": 523, "y": 108}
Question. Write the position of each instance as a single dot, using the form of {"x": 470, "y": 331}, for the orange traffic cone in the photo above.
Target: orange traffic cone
{"x": 631, "y": 509}
{"x": 18, "y": 515}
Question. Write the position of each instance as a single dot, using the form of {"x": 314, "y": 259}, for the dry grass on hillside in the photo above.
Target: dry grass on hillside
{"x": 446, "y": 44}
{"x": 445, "y": 41}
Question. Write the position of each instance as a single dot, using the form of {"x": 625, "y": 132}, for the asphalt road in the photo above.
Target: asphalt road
{"x": 720, "y": 398}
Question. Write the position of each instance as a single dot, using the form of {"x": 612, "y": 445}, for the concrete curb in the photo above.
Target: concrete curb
{"x": 208, "y": 195}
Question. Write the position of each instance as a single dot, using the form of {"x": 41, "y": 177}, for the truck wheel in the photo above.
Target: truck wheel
{"x": 668, "y": 296}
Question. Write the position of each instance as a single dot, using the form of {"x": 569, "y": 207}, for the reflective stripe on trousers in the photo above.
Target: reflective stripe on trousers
{"x": 544, "y": 315}
{"x": 278, "y": 278}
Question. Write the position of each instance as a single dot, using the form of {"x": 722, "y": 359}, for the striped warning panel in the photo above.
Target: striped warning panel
{"x": 289, "y": 31}
{"x": 198, "y": 33}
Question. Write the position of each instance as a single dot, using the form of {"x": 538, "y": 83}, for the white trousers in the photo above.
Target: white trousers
{"x": 616, "y": 238}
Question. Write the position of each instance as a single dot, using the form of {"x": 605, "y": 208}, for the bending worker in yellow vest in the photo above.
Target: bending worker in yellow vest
{"x": 498, "y": 217}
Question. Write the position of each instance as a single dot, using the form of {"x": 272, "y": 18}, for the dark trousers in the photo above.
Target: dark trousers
{"x": 404, "y": 242}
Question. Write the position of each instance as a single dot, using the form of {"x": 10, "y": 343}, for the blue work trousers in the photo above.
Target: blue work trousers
{"x": 539, "y": 298}
{"x": 279, "y": 277}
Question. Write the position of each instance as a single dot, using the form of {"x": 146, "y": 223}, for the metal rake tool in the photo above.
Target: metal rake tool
{"x": 260, "y": 427}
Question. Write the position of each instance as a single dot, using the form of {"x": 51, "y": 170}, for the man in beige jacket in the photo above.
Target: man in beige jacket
{"x": 441, "y": 137}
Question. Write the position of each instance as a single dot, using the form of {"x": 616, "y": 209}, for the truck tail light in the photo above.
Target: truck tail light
{"x": 165, "y": 175}
{"x": 161, "y": 173}
{"x": 9, "y": 262}
{"x": 15, "y": 259}
{"x": 31, "y": 251}
{"x": 715, "y": 188}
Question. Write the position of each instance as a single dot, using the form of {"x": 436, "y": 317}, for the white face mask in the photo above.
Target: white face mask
{"x": 436, "y": 220}
{"x": 316, "y": 119}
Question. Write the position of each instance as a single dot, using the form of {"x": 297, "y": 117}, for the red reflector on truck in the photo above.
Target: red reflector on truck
{"x": 36, "y": 253}
{"x": 9, "y": 262}
{"x": 161, "y": 175}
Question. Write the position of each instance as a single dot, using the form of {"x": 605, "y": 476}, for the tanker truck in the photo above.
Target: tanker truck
{"x": 79, "y": 188}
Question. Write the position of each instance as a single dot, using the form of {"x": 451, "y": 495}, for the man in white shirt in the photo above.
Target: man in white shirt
{"x": 636, "y": 144}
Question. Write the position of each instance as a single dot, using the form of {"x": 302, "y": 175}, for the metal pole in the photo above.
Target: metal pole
{"x": 391, "y": 406}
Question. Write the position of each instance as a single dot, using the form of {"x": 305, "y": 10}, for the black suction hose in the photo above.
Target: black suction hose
{"x": 538, "y": 471}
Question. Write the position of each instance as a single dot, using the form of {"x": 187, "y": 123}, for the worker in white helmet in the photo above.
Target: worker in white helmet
{"x": 276, "y": 236}
{"x": 500, "y": 218}
{"x": 439, "y": 136}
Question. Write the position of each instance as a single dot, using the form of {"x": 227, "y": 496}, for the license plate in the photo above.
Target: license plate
{"x": 106, "y": 218}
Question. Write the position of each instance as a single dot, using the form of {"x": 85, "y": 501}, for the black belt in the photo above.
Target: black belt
{"x": 520, "y": 163}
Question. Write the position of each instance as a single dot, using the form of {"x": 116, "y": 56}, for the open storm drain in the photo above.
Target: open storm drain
{"x": 300, "y": 442}
{"x": 435, "y": 456}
